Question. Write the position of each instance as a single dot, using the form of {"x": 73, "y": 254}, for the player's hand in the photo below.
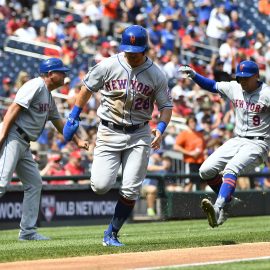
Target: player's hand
{"x": 83, "y": 144}
{"x": 187, "y": 72}
{"x": 157, "y": 139}
{"x": 70, "y": 128}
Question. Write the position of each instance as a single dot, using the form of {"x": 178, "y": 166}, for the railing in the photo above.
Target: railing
{"x": 7, "y": 48}
{"x": 197, "y": 55}
{"x": 158, "y": 176}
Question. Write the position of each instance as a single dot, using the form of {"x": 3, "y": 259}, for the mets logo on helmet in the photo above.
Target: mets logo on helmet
{"x": 242, "y": 67}
{"x": 132, "y": 39}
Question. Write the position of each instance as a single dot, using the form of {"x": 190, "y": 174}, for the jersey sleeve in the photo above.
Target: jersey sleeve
{"x": 26, "y": 94}
{"x": 227, "y": 88}
{"x": 162, "y": 93}
{"x": 94, "y": 79}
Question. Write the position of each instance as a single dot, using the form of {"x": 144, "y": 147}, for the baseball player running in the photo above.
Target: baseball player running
{"x": 130, "y": 83}
{"x": 250, "y": 146}
{"x": 24, "y": 122}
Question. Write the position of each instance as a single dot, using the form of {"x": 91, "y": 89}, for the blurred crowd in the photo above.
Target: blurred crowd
{"x": 208, "y": 35}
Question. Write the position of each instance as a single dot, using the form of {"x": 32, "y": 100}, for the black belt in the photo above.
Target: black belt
{"x": 123, "y": 128}
{"x": 23, "y": 134}
{"x": 253, "y": 137}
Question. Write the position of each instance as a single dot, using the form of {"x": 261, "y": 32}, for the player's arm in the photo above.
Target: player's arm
{"x": 164, "y": 119}
{"x": 10, "y": 117}
{"x": 59, "y": 125}
{"x": 72, "y": 123}
{"x": 202, "y": 81}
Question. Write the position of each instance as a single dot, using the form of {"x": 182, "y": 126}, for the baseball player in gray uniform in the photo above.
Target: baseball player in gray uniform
{"x": 250, "y": 146}
{"x": 130, "y": 83}
{"x": 24, "y": 122}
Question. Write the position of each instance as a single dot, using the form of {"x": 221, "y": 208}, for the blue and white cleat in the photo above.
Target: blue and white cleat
{"x": 111, "y": 240}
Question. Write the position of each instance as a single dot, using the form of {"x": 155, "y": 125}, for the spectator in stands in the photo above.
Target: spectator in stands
{"x": 66, "y": 87}
{"x": 94, "y": 11}
{"x": 227, "y": 54}
{"x": 173, "y": 13}
{"x": 55, "y": 167}
{"x": 141, "y": 20}
{"x": 150, "y": 185}
{"x": 169, "y": 39}
{"x": 264, "y": 7}
{"x": 86, "y": 28}
{"x": 7, "y": 88}
{"x": 192, "y": 145}
{"x": 133, "y": 8}
{"x": 109, "y": 15}
{"x": 218, "y": 25}
{"x": 73, "y": 167}
{"x": 154, "y": 34}
{"x": 12, "y": 24}
{"x": 68, "y": 52}
{"x": 55, "y": 29}
{"x": 204, "y": 11}
{"x": 22, "y": 78}
{"x": 180, "y": 106}
{"x": 26, "y": 30}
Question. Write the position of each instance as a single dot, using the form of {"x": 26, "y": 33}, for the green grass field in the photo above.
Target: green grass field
{"x": 86, "y": 240}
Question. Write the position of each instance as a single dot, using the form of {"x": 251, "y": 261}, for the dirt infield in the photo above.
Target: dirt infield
{"x": 146, "y": 259}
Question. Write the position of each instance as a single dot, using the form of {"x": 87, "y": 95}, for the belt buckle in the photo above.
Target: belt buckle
{"x": 110, "y": 125}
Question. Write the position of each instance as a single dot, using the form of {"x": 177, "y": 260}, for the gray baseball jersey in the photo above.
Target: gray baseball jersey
{"x": 15, "y": 155}
{"x": 252, "y": 110}
{"x": 251, "y": 145}
{"x": 128, "y": 96}
{"x": 38, "y": 107}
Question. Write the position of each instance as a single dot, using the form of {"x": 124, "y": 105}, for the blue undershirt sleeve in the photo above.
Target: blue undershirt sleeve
{"x": 205, "y": 83}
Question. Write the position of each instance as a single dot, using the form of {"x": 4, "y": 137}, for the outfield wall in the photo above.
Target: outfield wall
{"x": 79, "y": 205}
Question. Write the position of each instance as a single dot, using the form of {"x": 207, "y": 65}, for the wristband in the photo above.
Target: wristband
{"x": 75, "y": 112}
{"x": 161, "y": 126}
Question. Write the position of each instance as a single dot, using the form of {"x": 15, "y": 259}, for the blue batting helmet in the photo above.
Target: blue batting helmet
{"x": 246, "y": 69}
{"x": 134, "y": 39}
{"x": 52, "y": 64}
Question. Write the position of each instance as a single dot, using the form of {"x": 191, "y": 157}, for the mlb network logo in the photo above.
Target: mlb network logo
{"x": 48, "y": 207}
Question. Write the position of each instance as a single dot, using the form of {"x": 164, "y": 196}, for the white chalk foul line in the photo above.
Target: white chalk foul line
{"x": 205, "y": 263}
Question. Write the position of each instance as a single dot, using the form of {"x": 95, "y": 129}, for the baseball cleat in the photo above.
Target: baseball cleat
{"x": 211, "y": 213}
{"x": 111, "y": 240}
{"x": 33, "y": 236}
{"x": 224, "y": 213}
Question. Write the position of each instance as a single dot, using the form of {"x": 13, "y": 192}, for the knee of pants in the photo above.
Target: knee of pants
{"x": 207, "y": 172}
{"x": 36, "y": 186}
{"x": 100, "y": 188}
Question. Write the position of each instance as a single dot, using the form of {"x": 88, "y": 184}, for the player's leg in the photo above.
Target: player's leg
{"x": 210, "y": 171}
{"x": 216, "y": 162}
{"x": 27, "y": 171}
{"x": 134, "y": 164}
{"x": 240, "y": 163}
{"x": 104, "y": 170}
{"x": 9, "y": 156}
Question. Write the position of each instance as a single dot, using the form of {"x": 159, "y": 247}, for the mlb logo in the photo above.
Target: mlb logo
{"x": 242, "y": 67}
{"x": 48, "y": 207}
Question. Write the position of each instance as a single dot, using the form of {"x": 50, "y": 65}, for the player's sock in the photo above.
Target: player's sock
{"x": 215, "y": 183}
{"x": 226, "y": 190}
{"x": 122, "y": 211}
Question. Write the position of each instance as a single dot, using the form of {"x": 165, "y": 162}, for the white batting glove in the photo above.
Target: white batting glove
{"x": 187, "y": 72}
